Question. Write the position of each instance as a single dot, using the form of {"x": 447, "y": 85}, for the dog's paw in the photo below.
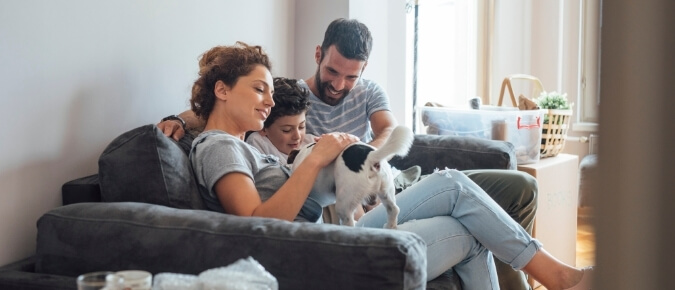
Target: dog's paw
{"x": 390, "y": 226}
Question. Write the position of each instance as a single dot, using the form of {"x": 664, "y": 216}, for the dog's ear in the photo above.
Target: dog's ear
{"x": 292, "y": 155}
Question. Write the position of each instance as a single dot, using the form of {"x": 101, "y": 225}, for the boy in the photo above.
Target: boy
{"x": 284, "y": 128}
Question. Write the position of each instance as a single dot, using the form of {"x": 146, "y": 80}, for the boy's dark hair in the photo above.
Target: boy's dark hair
{"x": 351, "y": 38}
{"x": 289, "y": 99}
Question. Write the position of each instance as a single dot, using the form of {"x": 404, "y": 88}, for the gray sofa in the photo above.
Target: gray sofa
{"x": 142, "y": 211}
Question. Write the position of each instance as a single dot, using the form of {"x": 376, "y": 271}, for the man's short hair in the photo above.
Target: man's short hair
{"x": 351, "y": 38}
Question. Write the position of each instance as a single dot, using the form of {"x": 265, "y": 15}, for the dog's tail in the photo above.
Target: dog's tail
{"x": 399, "y": 143}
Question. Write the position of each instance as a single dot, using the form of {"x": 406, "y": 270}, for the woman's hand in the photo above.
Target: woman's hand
{"x": 329, "y": 146}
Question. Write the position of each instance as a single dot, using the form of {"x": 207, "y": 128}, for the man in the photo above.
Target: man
{"x": 341, "y": 101}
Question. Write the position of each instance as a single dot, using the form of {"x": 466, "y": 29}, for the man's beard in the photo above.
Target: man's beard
{"x": 322, "y": 87}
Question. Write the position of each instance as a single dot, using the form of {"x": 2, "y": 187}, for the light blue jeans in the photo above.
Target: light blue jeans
{"x": 462, "y": 227}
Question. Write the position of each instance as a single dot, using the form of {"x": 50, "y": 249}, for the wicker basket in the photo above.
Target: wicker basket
{"x": 537, "y": 87}
{"x": 554, "y": 132}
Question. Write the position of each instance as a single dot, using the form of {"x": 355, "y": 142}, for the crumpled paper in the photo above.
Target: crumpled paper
{"x": 244, "y": 274}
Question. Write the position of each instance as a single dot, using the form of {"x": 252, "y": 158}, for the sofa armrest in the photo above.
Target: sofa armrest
{"x": 86, "y": 237}
{"x": 21, "y": 275}
{"x": 461, "y": 153}
{"x": 83, "y": 189}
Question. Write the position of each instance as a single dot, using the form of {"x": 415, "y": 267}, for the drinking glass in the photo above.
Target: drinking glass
{"x": 99, "y": 280}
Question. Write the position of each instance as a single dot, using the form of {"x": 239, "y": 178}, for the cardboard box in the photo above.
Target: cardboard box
{"x": 555, "y": 223}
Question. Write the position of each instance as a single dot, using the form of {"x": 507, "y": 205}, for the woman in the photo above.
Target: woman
{"x": 460, "y": 223}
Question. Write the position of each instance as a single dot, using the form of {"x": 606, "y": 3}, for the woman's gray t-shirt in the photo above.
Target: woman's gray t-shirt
{"x": 215, "y": 153}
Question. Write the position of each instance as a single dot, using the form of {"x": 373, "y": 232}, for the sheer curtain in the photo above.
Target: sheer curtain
{"x": 446, "y": 52}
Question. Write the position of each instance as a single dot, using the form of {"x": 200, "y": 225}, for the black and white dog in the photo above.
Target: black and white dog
{"x": 359, "y": 173}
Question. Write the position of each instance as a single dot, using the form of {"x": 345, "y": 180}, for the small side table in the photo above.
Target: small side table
{"x": 555, "y": 223}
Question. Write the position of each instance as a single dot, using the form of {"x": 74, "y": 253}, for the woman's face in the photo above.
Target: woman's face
{"x": 250, "y": 99}
{"x": 287, "y": 132}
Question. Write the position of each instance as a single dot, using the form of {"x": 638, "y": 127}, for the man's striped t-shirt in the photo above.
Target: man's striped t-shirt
{"x": 352, "y": 115}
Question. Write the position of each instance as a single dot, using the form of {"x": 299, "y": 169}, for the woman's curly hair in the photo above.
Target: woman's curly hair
{"x": 290, "y": 99}
{"x": 226, "y": 64}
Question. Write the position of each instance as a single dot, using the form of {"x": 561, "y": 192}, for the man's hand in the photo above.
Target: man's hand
{"x": 172, "y": 129}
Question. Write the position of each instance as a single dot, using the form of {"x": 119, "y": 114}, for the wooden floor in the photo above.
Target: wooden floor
{"x": 585, "y": 241}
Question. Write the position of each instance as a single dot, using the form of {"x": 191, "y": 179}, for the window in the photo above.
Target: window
{"x": 446, "y": 52}
{"x": 465, "y": 48}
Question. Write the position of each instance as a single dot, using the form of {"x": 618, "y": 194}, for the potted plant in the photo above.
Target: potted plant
{"x": 556, "y": 122}
{"x": 553, "y": 101}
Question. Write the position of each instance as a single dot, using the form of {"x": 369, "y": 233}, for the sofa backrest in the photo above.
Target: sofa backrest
{"x": 143, "y": 165}
{"x": 461, "y": 153}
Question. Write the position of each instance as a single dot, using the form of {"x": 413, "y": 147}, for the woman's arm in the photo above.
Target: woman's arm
{"x": 238, "y": 195}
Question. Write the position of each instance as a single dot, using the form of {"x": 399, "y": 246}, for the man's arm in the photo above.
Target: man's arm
{"x": 174, "y": 129}
{"x": 382, "y": 123}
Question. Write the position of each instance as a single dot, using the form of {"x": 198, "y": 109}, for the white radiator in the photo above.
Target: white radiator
{"x": 592, "y": 141}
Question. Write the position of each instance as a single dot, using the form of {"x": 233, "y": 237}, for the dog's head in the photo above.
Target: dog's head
{"x": 296, "y": 156}
{"x": 292, "y": 155}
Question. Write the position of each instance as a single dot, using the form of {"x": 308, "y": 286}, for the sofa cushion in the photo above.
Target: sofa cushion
{"x": 86, "y": 237}
{"x": 143, "y": 165}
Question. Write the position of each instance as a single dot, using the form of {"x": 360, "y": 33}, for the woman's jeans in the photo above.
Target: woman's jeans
{"x": 462, "y": 227}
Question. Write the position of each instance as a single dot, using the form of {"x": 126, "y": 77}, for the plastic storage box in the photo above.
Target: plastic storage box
{"x": 521, "y": 128}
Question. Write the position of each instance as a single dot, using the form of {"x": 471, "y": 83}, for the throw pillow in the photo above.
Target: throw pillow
{"x": 143, "y": 165}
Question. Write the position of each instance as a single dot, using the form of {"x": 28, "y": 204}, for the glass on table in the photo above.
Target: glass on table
{"x": 103, "y": 280}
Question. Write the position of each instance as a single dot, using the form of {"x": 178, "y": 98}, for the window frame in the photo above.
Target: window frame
{"x": 589, "y": 75}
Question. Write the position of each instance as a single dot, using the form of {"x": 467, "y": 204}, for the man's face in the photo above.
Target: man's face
{"x": 336, "y": 75}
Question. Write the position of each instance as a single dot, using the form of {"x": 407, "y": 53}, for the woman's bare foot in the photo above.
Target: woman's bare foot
{"x": 586, "y": 280}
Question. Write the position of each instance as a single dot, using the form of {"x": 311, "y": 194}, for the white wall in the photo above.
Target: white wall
{"x": 74, "y": 74}
{"x": 313, "y": 16}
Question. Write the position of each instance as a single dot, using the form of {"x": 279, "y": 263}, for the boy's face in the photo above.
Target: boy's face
{"x": 287, "y": 132}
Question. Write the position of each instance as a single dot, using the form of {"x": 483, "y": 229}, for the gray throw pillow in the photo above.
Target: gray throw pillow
{"x": 143, "y": 165}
